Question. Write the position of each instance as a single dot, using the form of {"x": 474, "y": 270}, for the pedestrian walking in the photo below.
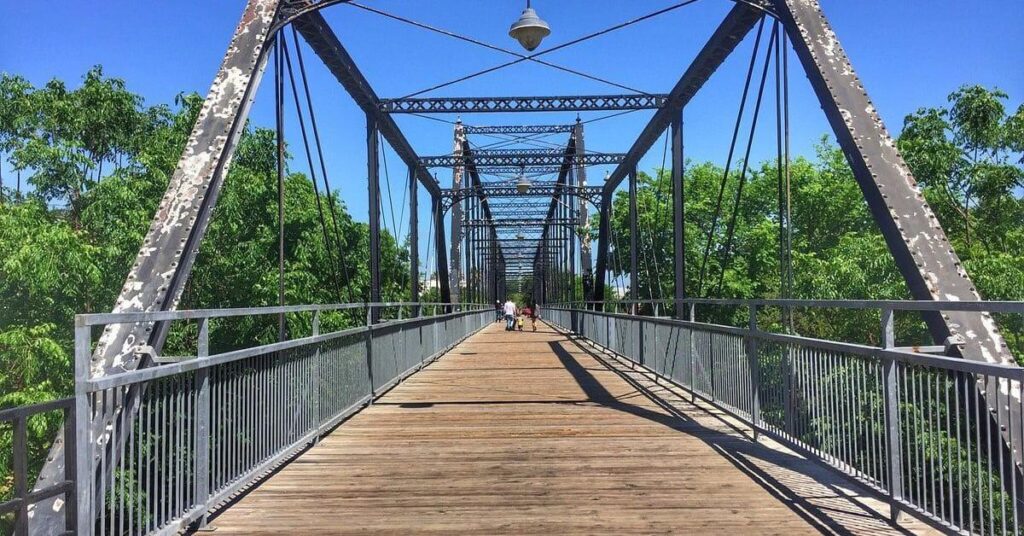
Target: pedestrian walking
{"x": 510, "y": 311}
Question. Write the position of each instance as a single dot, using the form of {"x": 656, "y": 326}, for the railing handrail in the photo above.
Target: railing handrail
{"x": 96, "y": 319}
{"x": 896, "y": 305}
{"x": 190, "y": 363}
{"x": 1007, "y": 371}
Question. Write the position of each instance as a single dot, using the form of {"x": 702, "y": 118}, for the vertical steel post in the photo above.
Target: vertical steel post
{"x": 279, "y": 119}
{"x": 586, "y": 261}
{"x": 369, "y": 350}
{"x": 318, "y": 378}
{"x": 85, "y": 476}
{"x": 414, "y": 241}
{"x": 373, "y": 185}
{"x": 202, "y": 419}
{"x": 693, "y": 354}
{"x": 634, "y": 273}
{"x": 437, "y": 210}
{"x": 603, "y": 231}
{"x": 894, "y": 454}
{"x": 678, "y": 215}
{"x": 755, "y": 372}
{"x": 456, "y": 238}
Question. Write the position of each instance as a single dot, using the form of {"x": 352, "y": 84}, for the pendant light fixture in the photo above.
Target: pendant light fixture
{"x": 530, "y": 29}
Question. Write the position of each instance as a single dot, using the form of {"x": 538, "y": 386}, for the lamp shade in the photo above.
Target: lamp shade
{"x": 523, "y": 184}
{"x": 529, "y": 30}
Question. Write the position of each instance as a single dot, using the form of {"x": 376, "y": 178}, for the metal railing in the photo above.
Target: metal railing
{"x": 934, "y": 434}
{"x": 23, "y": 496}
{"x": 187, "y": 434}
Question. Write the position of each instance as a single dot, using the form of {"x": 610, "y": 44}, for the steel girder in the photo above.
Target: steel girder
{"x": 678, "y": 216}
{"x": 737, "y": 24}
{"x": 580, "y": 171}
{"x": 325, "y": 44}
{"x": 515, "y": 158}
{"x": 577, "y": 103}
{"x": 914, "y": 236}
{"x": 519, "y": 223}
{"x": 519, "y": 129}
{"x": 158, "y": 275}
{"x": 590, "y": 193}
{"x": 514, "y": 171}
{"x": 458, "y": 172}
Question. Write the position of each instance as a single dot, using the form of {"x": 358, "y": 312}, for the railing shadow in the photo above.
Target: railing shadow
{"x": 828, "y": 501}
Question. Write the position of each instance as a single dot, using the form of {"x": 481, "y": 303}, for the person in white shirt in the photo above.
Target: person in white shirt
{"x": 510, "y": 315}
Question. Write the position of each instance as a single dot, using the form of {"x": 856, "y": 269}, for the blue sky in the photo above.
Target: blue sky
{"x": 909, "y": 53}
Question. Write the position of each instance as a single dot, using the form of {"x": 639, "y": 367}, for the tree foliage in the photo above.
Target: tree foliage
{"x": 97, "y": 161}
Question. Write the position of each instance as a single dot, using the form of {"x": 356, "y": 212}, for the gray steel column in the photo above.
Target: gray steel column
{"x": 586, "y": 261}
{"x": 373, "y": 185}
{"x": 603, "y": 230}
{"x": 437, "y": 210}
{"x": 414, "y": 240}
{"x": 456, "y": 240}
{"x": 634, "y": 274}
{"x": 280, "y": 157}
{"x": 678, "y": 214}
{"x": 158, "y": 275}
{"x": 891, "y": 400}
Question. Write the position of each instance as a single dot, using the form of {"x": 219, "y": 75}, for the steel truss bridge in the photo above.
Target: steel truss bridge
{"x": 158, "y": 444}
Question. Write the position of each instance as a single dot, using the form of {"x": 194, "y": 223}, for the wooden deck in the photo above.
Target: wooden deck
{"x": 532, "y": 433}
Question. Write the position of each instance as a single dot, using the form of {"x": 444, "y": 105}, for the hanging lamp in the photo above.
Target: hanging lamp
{"x": 530, "y": 29}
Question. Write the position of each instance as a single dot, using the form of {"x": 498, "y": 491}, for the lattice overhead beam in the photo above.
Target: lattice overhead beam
{"x": 579, "y": 103}
{"x": 515, "y": 158}
{"x": 519, "y": 129}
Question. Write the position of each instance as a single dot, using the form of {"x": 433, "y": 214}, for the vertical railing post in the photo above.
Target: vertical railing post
{"x": 84, "y": 476}
{"x": 70, "y": 467}
{"x": 369, "y": 348}
{"x": 788, "y": 406}
{"x": 202, "y": 416}
{"x": 894, "y": 456}
{"x": 693, "y": 354}
{"x": 317, "y": 380}
{"x": 20, "y": 467}
{"x": 753, "y": 363}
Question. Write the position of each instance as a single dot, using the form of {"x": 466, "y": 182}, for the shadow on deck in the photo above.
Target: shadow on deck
{"x": 536, "y": 433}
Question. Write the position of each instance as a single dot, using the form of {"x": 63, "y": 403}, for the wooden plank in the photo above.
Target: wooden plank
{"x": 531, "y": 433}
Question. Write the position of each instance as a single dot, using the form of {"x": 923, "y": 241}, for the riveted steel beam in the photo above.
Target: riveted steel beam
{"x": 575, "y": 103}
{"x": 520, "y": 222}
{"x": 158, "y": 275}
{"x": 913, "y": 234}
{"x": 515, "y": 158}
{"x": 519, "y": 129}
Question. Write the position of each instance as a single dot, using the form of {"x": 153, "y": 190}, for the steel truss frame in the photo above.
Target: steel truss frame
{"x": 158, "y": 276}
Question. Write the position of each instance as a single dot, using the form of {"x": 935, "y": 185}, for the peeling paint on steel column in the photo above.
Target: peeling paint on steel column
{"x": 917, "y": 241}
{"x": 455, "y": 264}
{"x": 158, "y": 276}
{"x": 583, "y": 227}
